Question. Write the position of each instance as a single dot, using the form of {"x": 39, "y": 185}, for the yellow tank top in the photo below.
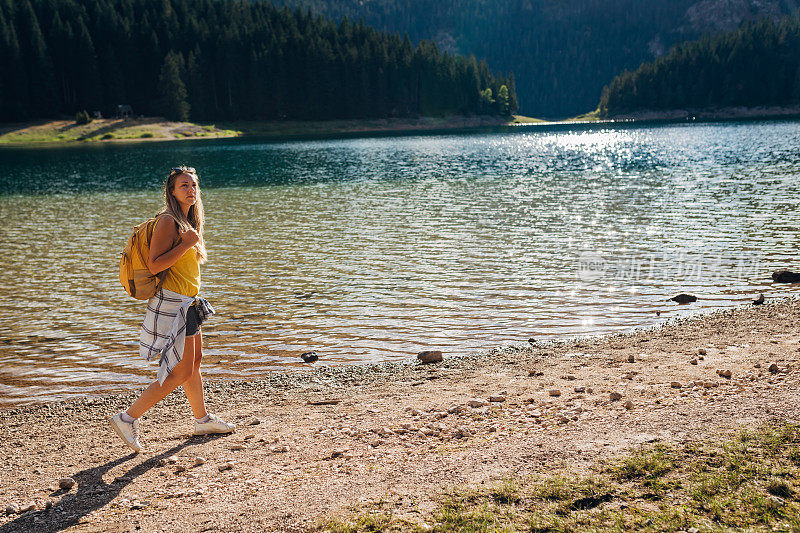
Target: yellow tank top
{"x": 184, "y": 276}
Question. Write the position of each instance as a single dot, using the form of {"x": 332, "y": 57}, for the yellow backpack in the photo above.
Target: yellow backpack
{"x": 134, "y": 275}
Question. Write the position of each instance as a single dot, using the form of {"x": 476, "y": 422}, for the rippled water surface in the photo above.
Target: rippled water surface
{"x": 370, "y": 249}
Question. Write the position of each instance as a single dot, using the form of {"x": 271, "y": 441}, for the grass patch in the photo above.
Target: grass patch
{"x": 592, "y": 116}
{"x": 60, "y": 131}
{"x": 522, "y": 119}
{"x": 748, "y": 482}
{"x": 375, "y": 521}
{"x": 646, "y": 464}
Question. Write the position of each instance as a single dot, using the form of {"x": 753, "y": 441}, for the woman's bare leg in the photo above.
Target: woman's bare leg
{"x": 193, "y": 387}
{"x": 155, "y": 392}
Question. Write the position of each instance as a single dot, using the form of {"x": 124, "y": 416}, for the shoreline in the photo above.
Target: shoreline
{"x": 51, "y": 133}
{"x": 302, "y": 376}
{"x": 710, "y": 114}
{"x": 155, "y": 129}
{"x": 345, "y": 440}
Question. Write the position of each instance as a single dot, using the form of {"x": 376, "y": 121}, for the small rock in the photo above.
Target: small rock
{"x": 535, "y": 373}
{"x": 179, "y": 469}
{"x": 589, "y": 390}
{"x": 773, "y": 368}
{"x": 237, "y": 447}
{"x": 693, "y": 361}
{"x": 614, "y": 396}
{"x": 477, "y": 402}
{"x": 30, "y": 506}
{"x": 497, "y": 398}
{"x": 631, "y": 358}
{"x": 580, "y": 389}
{"x": 628, "y": 405}
{"x": 136, "y": 504}
{"x": 675, "y": 384}
{"x": 48, "y": 505}
{"x": 66, "y": 483}
{"x": 279, "y": 449}
{"x": 339, "y": 452}
{"x": 702, "y": 351}
{"x": 759, "y": 300}
{"x": 462, "y": 432}
{"x": 532, "y": 340}
{"x": 430, "y": 356}
{"x": 554, "y": 392}
{"x": 12, "y": 508}
{"x": 377, "y": 442}
{"x": 199, "y": 461}
{"x": 227, "y": 465}
{"x": 254, "y": 422}
{"x": 757, "y": 365}
{"x": 725, "y": 373}
{"x": 309, "y": 357}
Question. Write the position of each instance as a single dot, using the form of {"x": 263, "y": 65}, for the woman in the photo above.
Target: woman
{"x": 171, "y": 327}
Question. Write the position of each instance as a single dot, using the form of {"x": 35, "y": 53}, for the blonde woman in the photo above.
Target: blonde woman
{"x": 171, "y": 327}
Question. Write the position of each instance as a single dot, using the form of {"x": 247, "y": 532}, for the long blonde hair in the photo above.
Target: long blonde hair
{"x": 195, "y": 217}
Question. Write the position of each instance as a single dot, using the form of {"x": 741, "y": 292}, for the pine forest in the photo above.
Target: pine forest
{"x": 227, "y": 60}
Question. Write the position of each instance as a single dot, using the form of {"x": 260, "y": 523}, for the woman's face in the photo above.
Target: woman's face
{"x": 186, "y": 190}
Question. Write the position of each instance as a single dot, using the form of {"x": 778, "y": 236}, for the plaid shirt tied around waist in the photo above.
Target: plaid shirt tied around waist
{"x": 164, "y": 328}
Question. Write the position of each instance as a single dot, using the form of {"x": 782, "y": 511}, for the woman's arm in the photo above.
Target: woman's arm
{"x": 162, "y": 254}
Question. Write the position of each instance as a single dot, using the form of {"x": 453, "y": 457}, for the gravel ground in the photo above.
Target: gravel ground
{"x": 326, "y": 444}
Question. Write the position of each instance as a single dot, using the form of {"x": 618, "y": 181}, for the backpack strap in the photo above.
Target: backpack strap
{"x": 163, "y": 274}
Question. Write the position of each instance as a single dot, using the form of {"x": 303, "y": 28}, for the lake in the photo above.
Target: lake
{"x": 370, "y": 249}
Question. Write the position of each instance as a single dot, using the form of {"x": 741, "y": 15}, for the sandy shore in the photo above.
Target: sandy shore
{"x": 336, "y": 441}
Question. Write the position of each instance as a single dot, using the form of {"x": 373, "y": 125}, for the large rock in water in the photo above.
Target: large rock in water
{"x": 683, "y": 298}
{"x": 785, "y": 276}
{"x": 430, "y": 356}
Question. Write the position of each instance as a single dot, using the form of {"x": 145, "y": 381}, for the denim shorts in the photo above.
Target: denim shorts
{"x": 192, "y": 321}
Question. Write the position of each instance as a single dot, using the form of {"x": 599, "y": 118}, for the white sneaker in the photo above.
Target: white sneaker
{"x": 128, "y": 432}
{"x": 214, "y": 425}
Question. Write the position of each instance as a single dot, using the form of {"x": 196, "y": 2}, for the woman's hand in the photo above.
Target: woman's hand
{"x": 162, "y": 253}
{"x": 189, "y": 237}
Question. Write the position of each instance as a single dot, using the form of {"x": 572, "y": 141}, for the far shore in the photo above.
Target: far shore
{"x": 108, "y": 130}
{"x": 398, "y": 446}
{"x": 710, "y": 114}
{"x": 158, "y": 129}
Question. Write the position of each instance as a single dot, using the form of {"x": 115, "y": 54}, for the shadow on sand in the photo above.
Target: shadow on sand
{"x": 93, "y": 493}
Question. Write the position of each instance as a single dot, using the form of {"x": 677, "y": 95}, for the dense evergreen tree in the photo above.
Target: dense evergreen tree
{"x": 223, "y": 59}
{"x": 756, "y": 65}
{"x": 171, "y": 90}
{"x": 562, "y": 52}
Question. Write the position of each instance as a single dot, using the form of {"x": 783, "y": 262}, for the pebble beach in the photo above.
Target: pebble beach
{"x": 330, "y": 443}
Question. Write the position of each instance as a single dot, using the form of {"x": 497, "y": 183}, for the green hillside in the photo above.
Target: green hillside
{"x": 756, "y": 65}
{"x": 562, "y": 53}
